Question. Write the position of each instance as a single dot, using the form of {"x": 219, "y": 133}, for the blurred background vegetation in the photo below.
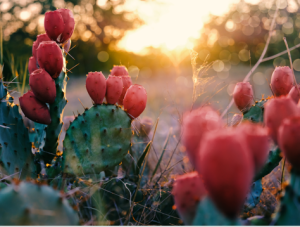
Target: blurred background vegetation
{"x": 237, "y": 37}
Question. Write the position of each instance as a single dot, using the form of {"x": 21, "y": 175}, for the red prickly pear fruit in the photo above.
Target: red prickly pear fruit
{"x": 42, "y": 86}
{"x": 34, "y": 109}
{"x": 69, "y": 24}
{"x": 50, "y": 58}
{"x": 114, "y": 88}
{"x": 31, "y": 64}
{"x": 294, "y": 93}
{"x": 276, "y": 110}
{"x": 96, "y": 86}
{"x": 39, "y": 39}
{"x": 236, "y": 120}
{"x": 119, "y": 70}
{"x": 289, "y": 140}
{"x": 243, "y": 96}
{"x": 54, "y": 25}
{"x": 187, "y": 191}
{"x": 126, "y": 84}
{"x": 282, "y": 80}
{"x": 257, "y": 140}
{"x": 67, "y": 46}
{"x": 67, "y": 121}
{"x": 227, "y": 169}
{"x": 195, "y": 125}
{"x": 135, "y": 100}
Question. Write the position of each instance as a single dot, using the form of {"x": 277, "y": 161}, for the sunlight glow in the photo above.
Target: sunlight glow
{"x": 172, "y": 24}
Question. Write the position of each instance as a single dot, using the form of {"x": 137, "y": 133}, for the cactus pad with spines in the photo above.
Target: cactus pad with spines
{"x": 97, "y": 140}
{"x": 15, "y": 146}
{"x": 31, "y": 204}
{"x": 256, "y": 112}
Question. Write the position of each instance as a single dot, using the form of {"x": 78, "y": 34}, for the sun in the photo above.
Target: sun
{"x": 170, "y": 24}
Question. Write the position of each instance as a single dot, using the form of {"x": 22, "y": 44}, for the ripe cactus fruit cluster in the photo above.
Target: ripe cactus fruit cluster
{"x": 283, "y": 107}
{"x": 195, "y": 125}
{"x": 227, "y": 172}
{"x": 187, "y": 191}
{"x": 282, "y": 80}
{"x": 243, "y": 96}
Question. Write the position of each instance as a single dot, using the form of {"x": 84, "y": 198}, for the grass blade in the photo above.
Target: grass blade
{"x": 161, "y": 156}
{"x": 142, "y": 158}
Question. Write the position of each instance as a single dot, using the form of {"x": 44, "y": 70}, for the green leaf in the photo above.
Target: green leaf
{"x": 161, "y": 156}
{"x": 142, "y": 158}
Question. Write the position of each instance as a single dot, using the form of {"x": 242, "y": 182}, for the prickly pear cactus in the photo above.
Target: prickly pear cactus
{"x": 15, "y": 147}
{"x": 256, "y": 112}
{"x": 31, "y": 204}
{"x": 97, "y": 140}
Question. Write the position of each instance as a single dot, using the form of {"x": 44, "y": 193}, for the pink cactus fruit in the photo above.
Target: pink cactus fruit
{"x": 227, "y": 169}
{"x": 295, "y": 93}
{"x": 34, "y": 109}
{"x": 289, "y": 140}
{"x": 42, "y": 86}
{"x": 135, "y": 100}
{"x": 67, "y": 121}
{"x": 195, "y": 125}
{"x": 67, "y": 46}
{"x": 282, "y": 80}
{"x": 54, "y": 25}
{"x": 276, "y": 110}
{"x": 114, "y": 88}
{"x": 187, "y": 191}
{"x": 96, "y": 86}
{"x": 39, "y": 39}
{"x": 119, "y": 70}
{"x": 69, "y": 24}
{"x": 243, "y": 96}
{"x": 31, "y": 64}
{"x": 50, "y": 58}
{"x": 236, "y": 120}
{"x": 257, "y": 140}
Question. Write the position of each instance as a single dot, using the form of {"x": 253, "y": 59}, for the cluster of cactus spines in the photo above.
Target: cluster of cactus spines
{"x": 227, "y": 173}
{"x": 257, "y": 139}
{"x": 188, "y": 190}
{"x": 195, "y": 124}
{"x": 42, "y": 86}
{"x": 283, "y": 107}
{"x": 96, "y": 86}
{"x": 295, "y": 93}
{"x": 243, "y": 96}
{"x": 34, "y": 109}
{"x": 15, "y": 148}
{"x": 32, "y": 204}
{"x": 282, "y": 80}
{"x": 135, "y": 100}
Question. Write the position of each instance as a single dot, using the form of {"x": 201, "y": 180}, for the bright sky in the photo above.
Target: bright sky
{"x": 172, "y": 23}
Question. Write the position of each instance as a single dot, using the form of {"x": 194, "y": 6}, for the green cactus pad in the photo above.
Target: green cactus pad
{"x": 208, "y": 214}
{"x": 31, "y": 204}
{"x": 37, "y": 135}
{"x": 48, "y": 152}
{"x": 254, "y": 196}
{"x": 256, "y": 112}
{"x": 97, "y": 140}
{"x": 289, "y": 209}
{"x": 273, "y": 160}
{"x": 15, "y": 147}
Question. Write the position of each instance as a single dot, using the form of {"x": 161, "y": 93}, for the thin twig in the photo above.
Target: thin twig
{"x": 259, "y": 60}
